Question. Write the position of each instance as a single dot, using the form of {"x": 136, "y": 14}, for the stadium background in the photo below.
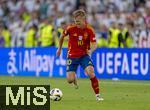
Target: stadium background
{"x": 29, "y": 33}
{"x": 22, "y": 21}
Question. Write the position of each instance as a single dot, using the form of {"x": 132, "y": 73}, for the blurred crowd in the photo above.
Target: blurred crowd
{"x": 31, "y": 23}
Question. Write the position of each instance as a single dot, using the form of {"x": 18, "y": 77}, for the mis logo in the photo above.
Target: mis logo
{"x": 24, "y": 97}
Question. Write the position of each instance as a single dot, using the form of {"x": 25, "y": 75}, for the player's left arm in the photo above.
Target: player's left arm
{"x": 93, "y": 44}
{"x": 93, "y": 47}
{"x": 61, "y": 40}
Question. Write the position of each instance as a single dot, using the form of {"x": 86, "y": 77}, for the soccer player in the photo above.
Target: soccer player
{"x": 81, "y": 44}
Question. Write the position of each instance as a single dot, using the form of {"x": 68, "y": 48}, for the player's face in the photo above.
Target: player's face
{"x": 79, "y": 20}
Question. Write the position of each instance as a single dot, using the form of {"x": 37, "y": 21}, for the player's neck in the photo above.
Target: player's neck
{"x": 81, "y": 26}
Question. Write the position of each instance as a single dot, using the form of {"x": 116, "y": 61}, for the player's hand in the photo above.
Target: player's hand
{"x": 58, "y": 52}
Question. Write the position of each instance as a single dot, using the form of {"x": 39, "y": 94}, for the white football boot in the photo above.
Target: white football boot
{"x": 99, "y": 98}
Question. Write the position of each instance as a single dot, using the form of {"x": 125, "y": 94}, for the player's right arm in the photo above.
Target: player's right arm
{"x": 61, "y": 40}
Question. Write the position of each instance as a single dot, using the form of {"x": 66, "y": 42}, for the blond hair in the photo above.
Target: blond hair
{"x": 79, "y": 12}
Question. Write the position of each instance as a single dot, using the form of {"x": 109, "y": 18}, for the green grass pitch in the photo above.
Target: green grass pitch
{"x": 118, "y": 95}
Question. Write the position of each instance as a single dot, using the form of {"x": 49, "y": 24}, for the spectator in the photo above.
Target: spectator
{"x": 2, "y": 42}
{"x": 19, "y": 15}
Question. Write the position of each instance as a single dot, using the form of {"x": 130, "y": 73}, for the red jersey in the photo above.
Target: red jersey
{"x": 79, "y": 40}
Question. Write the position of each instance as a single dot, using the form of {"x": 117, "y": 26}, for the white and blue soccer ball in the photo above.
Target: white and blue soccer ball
{"x": 56, "y": 94}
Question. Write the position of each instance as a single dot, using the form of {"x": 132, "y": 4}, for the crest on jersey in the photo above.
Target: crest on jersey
{"x": 80, "y": 37}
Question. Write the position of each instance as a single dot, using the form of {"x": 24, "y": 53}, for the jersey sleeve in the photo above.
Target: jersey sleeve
{"x": 92, "y": 35}
{"x": 66, "y": 31}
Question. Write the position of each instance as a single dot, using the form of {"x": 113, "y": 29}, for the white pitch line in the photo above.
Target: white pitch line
{"x": 127, "y": 83}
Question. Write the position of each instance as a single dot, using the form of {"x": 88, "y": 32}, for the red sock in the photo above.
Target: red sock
{"x": 95, "y": 85}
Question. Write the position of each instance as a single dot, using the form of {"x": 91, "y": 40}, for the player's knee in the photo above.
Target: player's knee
{"x": 70, "y": 77}
{"x": 90, "y": 70}
{"x": 70, "y": 81}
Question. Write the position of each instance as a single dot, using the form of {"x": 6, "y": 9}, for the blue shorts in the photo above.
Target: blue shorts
{"x": 73, "y": 63}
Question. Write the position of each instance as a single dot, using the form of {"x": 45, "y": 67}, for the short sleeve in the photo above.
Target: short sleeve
{"x": 66, "y": 31}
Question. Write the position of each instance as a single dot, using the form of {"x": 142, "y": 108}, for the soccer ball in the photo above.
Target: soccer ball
{"x": 56, "y": 94}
